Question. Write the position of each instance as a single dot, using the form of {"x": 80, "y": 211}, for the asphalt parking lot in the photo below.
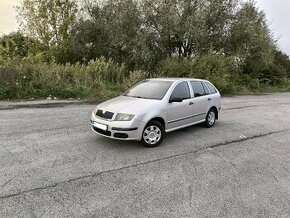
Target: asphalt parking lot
{"x": 52, "y": 165}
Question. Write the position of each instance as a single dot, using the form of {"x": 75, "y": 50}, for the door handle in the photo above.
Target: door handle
{"x": 191, "y": 103}
{"x": 209, "y": 99}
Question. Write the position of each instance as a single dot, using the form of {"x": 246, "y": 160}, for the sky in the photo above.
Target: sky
{"x": 277, "y": 13}
{"x": 8, "y": 21}
{"x": 278, "y": 16}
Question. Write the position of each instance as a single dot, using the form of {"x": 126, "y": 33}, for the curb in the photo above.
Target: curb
{"x": 45, "y": 104}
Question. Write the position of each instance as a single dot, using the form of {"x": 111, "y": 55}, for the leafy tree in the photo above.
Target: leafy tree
{"x": 251, "y": 40}
{"x": 218, "y": 15}
{"x": 282, "y": 59}
{"x": 149, "y": 33}
{"x": 49, "y": 22}
{"x": 278, "y": 71}
{"x": 111, "y": 31}
{"x": 14, "y": 45}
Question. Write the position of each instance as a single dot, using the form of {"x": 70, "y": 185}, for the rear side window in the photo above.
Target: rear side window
{"x": 181, "y": 91}
{"x": 197, "y": 88}
{"x": 211, "y": 88}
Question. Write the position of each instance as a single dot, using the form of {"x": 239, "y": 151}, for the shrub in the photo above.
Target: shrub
{"x": 220, "y": 70}
{"x": 98, "y": 79}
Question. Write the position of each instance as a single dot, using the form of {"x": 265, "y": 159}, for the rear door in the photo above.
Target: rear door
{"x": 215, "y": 95}
{"x": 201, "y": 100}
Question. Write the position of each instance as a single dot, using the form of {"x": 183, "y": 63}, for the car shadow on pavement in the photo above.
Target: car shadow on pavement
{"x": 181, "y": 133}
{"x": 186, "y": 130}
{"x": 120, "y": 144}
{"x": 197, "y": 130}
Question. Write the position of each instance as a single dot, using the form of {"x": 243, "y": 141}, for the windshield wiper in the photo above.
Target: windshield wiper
{"x": 136, "y": 96}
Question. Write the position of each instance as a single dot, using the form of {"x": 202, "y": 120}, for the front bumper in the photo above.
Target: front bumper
{"x": 122, "y": 130}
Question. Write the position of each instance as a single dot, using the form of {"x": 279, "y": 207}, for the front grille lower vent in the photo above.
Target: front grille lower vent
{"x": 107, "y": 133}
{"x": 107, "y": 115}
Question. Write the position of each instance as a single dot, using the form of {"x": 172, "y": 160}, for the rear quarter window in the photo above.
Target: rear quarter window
{"x": 211, "y": 88}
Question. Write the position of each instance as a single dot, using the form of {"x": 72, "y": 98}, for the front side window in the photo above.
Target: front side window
{"x": 149, "y": 89}
{"x": 197, "y": 88}
{"x": 181, "y": 91}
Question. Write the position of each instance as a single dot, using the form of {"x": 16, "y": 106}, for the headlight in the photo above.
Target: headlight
{"x": 124, "y": 117}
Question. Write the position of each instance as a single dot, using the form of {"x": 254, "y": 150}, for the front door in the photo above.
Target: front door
{"x": 180, "y": 113}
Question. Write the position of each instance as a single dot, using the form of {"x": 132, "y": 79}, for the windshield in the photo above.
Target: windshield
{"x": 149, "y": 89}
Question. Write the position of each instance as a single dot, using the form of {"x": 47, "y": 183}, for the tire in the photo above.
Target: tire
{"x": 153, "y": 134}
{"x": 210, "y": 118}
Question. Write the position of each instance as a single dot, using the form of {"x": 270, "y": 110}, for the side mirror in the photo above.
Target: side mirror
{"x": 175, "y": 99}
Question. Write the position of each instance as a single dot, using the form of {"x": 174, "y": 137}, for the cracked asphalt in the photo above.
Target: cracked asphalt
{"x": 52, "y": 165}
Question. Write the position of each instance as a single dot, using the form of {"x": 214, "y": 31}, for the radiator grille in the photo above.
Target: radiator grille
{"x": 107, "y": 115}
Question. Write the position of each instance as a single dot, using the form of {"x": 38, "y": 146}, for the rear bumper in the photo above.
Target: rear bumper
{"x": 121, "y": 130}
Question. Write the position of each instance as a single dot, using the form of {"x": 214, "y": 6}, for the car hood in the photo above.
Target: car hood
{"x": 124, "y": 104}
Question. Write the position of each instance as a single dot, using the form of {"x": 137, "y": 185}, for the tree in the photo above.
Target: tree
{"x": 49, "y": 22}
{"x": 251, "y": 41}
{"x": 14, "y": 45}
{"x": 218, "y": 15}
{"x": 111, "y": 31}
{"x": 282, "y": 59}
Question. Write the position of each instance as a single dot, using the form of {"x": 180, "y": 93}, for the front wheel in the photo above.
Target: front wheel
{"x": 210, "y": 118}
{"x": 153, "y": 134}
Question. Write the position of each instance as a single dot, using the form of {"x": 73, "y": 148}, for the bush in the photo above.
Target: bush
{"x": 98, "y": 79}
{"x": 213, "y": 67}
{"x": 221, "y": 71}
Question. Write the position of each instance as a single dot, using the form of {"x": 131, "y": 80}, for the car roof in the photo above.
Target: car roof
{"x": 173, "y": 79}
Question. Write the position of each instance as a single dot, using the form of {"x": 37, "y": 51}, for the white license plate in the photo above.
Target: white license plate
{"x": 100, "y": 126}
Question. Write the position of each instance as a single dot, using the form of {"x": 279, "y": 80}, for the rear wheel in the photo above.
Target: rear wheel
{"x": 210, "y": 118}
{"x": 153, "y": 134}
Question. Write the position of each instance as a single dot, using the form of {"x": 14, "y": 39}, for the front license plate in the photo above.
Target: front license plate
{"x": 100, "y": 126}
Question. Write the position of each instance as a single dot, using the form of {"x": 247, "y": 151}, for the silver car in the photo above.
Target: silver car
{"x": 157, "y": 106}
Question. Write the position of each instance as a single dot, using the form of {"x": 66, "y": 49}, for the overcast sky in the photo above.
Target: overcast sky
{"x": 278, "y": 16}
{"x": 277, "y": 11}
{"x": 8, "y": 22}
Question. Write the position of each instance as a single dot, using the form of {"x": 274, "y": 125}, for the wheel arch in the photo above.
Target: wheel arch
{"x": 216, "y": 112}
{"x": 158, "y": 119}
